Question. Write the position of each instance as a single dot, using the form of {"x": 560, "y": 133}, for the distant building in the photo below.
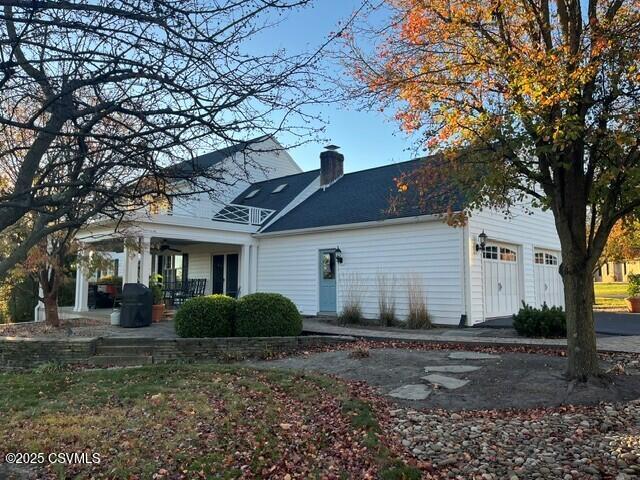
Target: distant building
{"x": 617, "y": 271}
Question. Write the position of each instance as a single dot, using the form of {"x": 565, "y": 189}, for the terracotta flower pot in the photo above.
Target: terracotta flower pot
{"x": 157, "y": 312}
{"x": 633, "y": 303}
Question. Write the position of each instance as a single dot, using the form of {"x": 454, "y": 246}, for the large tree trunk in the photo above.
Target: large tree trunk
{"x": 581, "y": 335}
{"x": 51, "y": 309}
{"x": 49, "y": 282}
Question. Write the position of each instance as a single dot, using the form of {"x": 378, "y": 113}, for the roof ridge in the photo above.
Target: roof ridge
{"x": 390, "y": 165}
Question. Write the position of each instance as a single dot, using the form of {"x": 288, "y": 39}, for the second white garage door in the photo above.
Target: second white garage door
{"x": 549, "y": 287}
{"x": 501, "y": 282}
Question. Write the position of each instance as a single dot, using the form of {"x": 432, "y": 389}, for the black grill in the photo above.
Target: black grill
{"x": 136, "y": 306}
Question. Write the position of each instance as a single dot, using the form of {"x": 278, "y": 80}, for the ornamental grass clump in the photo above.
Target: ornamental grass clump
{"x": 353, "y": 291}
{"x": 418, "y": 316}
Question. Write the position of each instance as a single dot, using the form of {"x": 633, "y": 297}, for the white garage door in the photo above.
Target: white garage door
{"x": 549, "y": 287}
{"x": 501, "y": 274}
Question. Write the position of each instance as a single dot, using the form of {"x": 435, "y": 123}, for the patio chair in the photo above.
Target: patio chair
{"x": 184, "y": 293}
{"x": 201, "y": 287}
{"x": 170, "y": 289}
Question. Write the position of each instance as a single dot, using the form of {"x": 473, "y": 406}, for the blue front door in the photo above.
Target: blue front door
{"x": 327, "y": 281}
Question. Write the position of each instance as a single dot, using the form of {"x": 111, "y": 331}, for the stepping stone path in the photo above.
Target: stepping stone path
{"x": 411, "y": 392}
{"x": 471, "y": 356}
{"x": 451, "y": 368}
{"x": 450, "y": 383}
{"x": 421, "y": 392}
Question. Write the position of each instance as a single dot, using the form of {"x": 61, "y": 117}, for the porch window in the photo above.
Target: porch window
{"x": 175, "y": 268}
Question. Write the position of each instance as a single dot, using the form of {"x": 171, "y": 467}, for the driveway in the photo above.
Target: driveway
{"x": 607, "y": 323}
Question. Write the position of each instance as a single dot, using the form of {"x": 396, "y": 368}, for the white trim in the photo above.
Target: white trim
{"x": 354, "y": 226}
{"x": 467, "y": 249}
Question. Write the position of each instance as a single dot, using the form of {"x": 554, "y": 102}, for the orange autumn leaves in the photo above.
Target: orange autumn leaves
{"x": 465, "y": 71}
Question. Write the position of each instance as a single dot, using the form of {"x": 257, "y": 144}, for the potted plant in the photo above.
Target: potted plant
{"x": 633, "y": 302}
{"x": 110, "y": 283}
{"x": 157, "y": 310}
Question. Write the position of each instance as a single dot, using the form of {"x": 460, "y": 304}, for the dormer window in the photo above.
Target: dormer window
{"x": 252, "y": 193}
{"x": 279, "y": 188}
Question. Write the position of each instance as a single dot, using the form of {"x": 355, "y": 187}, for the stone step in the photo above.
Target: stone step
{"x": 120, "y": 360}
{"x": 124, "y": 350}
{"x": 126, "y": 341}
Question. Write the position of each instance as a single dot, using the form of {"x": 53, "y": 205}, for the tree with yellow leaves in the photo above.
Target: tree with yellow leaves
{"x": 531, "y": 99}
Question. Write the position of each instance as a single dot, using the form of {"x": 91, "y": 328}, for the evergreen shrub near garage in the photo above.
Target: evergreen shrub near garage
{"x": 209, "y": 316}
{"x": 267, "y": 315}
{"x": 547, "y": 322}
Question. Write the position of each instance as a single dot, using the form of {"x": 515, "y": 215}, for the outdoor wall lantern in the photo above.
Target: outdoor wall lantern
{"x": 338, "y": 252}
{"x": 483, "y": 241}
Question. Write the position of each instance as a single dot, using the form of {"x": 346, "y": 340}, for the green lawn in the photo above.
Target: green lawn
{"x": 188, "y": 421}
{"x": 610, "y": 295}
{"x": 608, "y": 289}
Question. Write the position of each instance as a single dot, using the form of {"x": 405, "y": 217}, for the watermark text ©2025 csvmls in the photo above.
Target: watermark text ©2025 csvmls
{"x": 64, "y": 458}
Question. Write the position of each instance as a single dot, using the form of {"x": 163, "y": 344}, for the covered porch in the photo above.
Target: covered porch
{"x": 191, "y": 261}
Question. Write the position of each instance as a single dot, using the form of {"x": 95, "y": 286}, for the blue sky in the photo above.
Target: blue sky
{"x": 367, "y": 139}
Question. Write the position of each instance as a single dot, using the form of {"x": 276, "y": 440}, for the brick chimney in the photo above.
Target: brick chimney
{"x": 331, "y": 165}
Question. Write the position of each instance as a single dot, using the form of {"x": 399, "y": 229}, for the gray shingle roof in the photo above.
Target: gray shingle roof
{"x": 204, "y": 162}
{"x": 362, "y": 196}
{"x": 276, "y": 201}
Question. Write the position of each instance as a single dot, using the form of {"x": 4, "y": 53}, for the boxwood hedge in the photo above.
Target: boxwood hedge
{"x": 267, "y": 315}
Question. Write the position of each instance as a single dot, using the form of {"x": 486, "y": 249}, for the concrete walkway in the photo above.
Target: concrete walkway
{"x": 607, "y": 323}
{"x": 630, "y": 343}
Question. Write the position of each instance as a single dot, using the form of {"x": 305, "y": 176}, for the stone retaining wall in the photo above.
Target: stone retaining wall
{"x": 30, "y": 352}
{"x": 233, "y": 348}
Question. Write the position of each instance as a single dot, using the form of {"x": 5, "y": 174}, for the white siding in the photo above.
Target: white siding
{"x": 240, "y": 171}
{"x": 525, "y": 230}
{"x": 432, "y": 250}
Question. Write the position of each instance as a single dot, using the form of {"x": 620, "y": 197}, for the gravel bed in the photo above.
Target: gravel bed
{"x": 565, "y": 443}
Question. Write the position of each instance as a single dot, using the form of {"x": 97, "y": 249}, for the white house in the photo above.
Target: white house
{"x": 313, "y": 235}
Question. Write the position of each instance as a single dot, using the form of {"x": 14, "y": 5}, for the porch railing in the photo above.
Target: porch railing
{"x": 243, "y": 214}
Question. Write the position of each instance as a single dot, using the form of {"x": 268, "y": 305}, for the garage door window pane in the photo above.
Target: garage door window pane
{"x": 490, "y": 253}
{"x": 507, "y": 255}
{"x": 550, "y": 259}
{"x": 540, "y": 258}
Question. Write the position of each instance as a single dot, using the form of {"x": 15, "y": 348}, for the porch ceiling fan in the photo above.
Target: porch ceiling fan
{"x": 165, "y": 247}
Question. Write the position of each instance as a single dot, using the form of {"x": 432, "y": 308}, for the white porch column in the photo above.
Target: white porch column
{"x": 38, "y": 312}
{"x": 145, "y": 261}
{"x": 254, "y": 269}
{"x": 130, "y": 265}
{"x": 82, "y": 291}
{"x": 244, "y": 270}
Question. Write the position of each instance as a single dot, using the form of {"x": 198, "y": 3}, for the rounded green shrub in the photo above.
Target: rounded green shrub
{"x": 210, "y": 316}
{"x": 547, "y": 322}
{"x": 267, "y": 315}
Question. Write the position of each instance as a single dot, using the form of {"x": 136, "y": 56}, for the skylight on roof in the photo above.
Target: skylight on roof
{"x": 252, "y": 193}
{"x": 279, "y": 188}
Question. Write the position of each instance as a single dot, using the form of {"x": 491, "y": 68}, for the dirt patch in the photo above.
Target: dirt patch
{"x": 77, "y": 327}
{"x": 514, "y": 380}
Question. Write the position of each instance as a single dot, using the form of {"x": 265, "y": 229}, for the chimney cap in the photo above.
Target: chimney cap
{"x": 332, "y": 147}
